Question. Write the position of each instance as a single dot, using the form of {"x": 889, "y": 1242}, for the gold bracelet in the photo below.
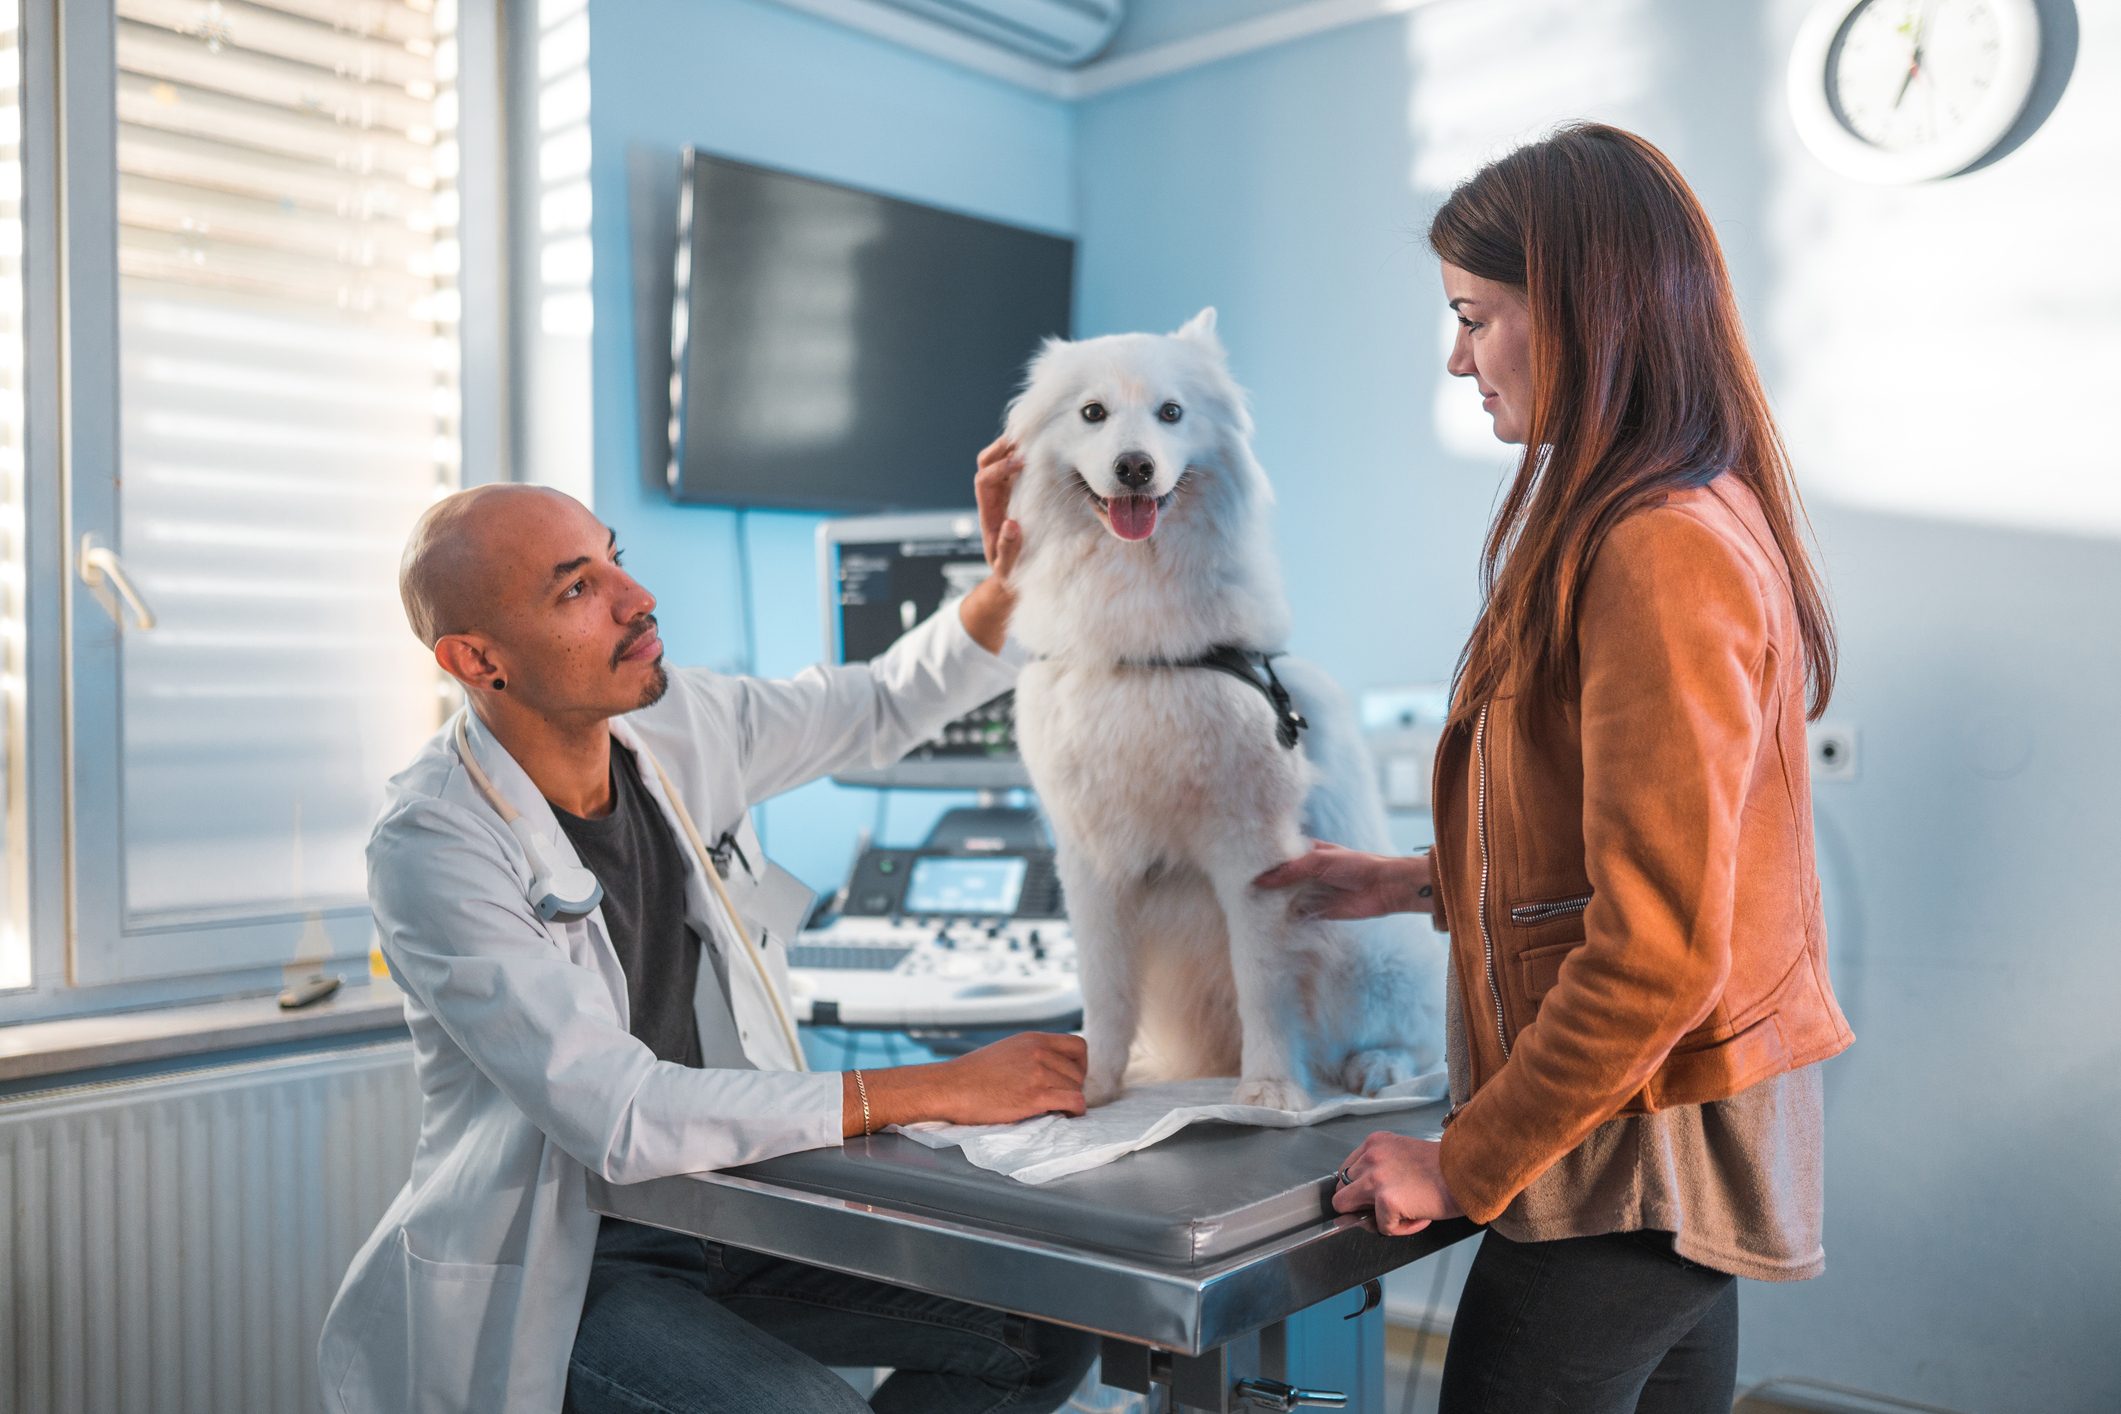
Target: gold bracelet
{"x": 861, "y": 1088}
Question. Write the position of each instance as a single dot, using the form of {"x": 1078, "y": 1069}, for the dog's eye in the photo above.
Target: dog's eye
{"x": 1170, "y": 412}
{"x": 1093, "y": 412}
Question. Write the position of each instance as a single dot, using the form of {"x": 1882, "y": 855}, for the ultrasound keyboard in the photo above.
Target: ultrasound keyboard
{"x": 935, "y": 972}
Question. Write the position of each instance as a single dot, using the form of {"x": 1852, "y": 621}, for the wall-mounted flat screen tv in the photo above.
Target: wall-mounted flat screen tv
{"x": 837, "y": 350}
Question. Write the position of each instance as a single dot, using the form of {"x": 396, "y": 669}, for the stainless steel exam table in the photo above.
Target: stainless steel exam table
{"x": 1187, "y": 1257}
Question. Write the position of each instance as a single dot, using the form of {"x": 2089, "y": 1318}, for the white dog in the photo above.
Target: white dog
{"x": 1170, "y": 786}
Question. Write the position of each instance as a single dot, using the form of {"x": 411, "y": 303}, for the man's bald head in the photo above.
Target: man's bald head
{"x": 522, "y": 595}
{"x": 457, "y": 559}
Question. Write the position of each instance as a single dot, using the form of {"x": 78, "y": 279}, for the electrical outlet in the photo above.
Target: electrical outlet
{"x": 1406, "y": 780}
{"x": 1400, "y": 726}
{"x": 1833, "y": 748}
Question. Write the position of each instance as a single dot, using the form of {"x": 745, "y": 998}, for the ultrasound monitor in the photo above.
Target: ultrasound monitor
{"x": 880, "y": 576}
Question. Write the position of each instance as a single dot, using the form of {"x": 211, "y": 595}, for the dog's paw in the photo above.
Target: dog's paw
{"x": 1099, "y": 1089}
{"x": 1367, "y": 1072}
{"x": 1273, "y": 1094}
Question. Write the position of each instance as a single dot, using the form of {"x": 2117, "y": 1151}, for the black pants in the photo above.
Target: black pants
{"x": 1616, "y": 1324}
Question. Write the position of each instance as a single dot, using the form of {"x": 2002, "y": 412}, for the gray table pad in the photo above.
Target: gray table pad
{"x": 1206, "y": 1193}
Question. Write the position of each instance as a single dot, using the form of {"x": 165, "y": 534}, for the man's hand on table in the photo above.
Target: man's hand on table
{"x": 1031, "y": 1073}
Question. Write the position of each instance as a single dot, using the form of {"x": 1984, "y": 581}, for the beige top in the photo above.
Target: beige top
{"x": 1738, "y": 1182}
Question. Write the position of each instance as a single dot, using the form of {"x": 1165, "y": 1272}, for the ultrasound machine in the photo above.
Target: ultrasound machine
{"x": 965, "y": 931}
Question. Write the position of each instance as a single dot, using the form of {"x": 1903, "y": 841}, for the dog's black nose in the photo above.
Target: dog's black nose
{"x": 1134, "y": 469}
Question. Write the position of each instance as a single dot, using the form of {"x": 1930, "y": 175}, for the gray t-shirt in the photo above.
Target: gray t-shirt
{"x": 642, "y": 868}
{"x": 1738, "y": 1182}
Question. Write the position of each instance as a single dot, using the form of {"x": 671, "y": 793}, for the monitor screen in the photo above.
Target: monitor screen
{"x": 881, "y": 576}
{"x": 842, "y": 351}
{"x": 961, "y": 886}
{"x": 887, "y": 587}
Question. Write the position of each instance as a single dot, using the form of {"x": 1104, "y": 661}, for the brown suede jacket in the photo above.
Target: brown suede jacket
{"x": 1628, "y": 878}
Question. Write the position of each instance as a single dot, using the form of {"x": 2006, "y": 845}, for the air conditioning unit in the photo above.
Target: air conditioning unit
{"x": 1059, "y": 32}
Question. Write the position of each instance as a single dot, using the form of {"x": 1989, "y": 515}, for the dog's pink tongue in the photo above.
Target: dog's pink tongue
{"x": 1133, "y": 517}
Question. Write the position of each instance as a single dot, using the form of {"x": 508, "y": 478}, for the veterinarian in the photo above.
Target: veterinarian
{"x": 1638, "y": 997}
{"x": 647, "y": 1034}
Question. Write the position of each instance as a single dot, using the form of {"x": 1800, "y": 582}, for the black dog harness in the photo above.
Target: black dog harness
{"x": 1246, "y": 666}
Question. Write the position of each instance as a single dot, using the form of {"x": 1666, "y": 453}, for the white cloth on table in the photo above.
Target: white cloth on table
{"x": 1053, "y": 1146}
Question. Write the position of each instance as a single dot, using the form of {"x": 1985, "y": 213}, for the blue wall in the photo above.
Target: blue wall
{"x": 1935, "y": 354}
{"x": 764, "y": 84}
{"x": 1274, "y": 187}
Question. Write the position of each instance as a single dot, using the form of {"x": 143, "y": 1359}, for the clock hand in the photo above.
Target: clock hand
{"x": 1914, "y": 62}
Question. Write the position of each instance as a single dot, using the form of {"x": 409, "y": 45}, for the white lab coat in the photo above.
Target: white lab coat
{"x": 466, "y": 1296}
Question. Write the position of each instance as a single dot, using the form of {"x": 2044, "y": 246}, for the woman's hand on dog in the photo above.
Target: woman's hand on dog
{"x": 1346, "y": 883}
{"x": 985, "y": 611}
{"x": 1400, "y": 1180}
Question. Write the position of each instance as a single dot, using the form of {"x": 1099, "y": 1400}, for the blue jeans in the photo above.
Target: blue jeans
{"x": 675, "y": 1325}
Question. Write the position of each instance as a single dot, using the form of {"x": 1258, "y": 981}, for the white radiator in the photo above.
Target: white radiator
{"x": 171, "y": 1243}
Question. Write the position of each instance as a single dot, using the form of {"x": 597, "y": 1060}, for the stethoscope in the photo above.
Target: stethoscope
{"x": 568, "y": 893}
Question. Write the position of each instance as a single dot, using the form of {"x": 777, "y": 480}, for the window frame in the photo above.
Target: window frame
{"x": 83, "y": 959}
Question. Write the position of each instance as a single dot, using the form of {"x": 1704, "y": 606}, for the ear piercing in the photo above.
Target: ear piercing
{"x": 499, "y": 684}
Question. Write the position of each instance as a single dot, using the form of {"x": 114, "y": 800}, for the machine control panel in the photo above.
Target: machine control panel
{"x": 941, "y": 972}
{"x": 896, "y": 883}
{"x": 937, "y": 937}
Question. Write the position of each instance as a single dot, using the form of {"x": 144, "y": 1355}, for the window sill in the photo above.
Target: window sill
{"x": 34, "y": 1050}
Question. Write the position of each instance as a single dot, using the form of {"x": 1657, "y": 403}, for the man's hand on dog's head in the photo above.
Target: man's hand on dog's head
{"x": 1000, "y": 463}
{"x": 985, "y": 611}
{"x": 1346, "y": 883}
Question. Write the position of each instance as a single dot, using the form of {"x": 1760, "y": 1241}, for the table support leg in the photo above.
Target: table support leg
{"x": 1274, "y": 1351}
{"x": 1198, "y": 1384}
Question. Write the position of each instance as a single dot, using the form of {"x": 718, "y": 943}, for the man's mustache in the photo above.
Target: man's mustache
{"x": 642, "y": 627}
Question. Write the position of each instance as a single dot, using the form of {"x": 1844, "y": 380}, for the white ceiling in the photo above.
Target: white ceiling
{"x": 1150, "y": 23}
{"x": 1157, "y": 37}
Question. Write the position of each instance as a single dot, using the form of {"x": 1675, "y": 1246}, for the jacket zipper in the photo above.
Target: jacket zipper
{"x": 1487, "y": 942}
{"x": 1545, "y": 912}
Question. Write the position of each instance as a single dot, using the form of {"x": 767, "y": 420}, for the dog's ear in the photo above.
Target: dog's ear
{"x": 1024, "y": 411}
{"x": 1201, "y": 329}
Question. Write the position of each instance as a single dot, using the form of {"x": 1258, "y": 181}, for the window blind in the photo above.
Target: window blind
{"x": 287, "y": 254}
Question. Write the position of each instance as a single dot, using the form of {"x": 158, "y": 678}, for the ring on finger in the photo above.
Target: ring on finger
{"x": 1344, "y": 1178}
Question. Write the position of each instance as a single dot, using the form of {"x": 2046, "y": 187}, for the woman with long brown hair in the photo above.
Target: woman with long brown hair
{"x": 1638, "y": 989}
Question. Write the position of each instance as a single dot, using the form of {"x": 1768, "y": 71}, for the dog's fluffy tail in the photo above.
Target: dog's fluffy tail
{"x": 1345, "y": 805}
{"x": 1397, "y": 1004}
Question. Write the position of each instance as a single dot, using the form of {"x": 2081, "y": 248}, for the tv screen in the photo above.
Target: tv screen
{"x": 841, "y": 351}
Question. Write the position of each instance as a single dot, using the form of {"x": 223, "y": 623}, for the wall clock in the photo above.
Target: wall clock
{"x": 1909, "y": 90}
